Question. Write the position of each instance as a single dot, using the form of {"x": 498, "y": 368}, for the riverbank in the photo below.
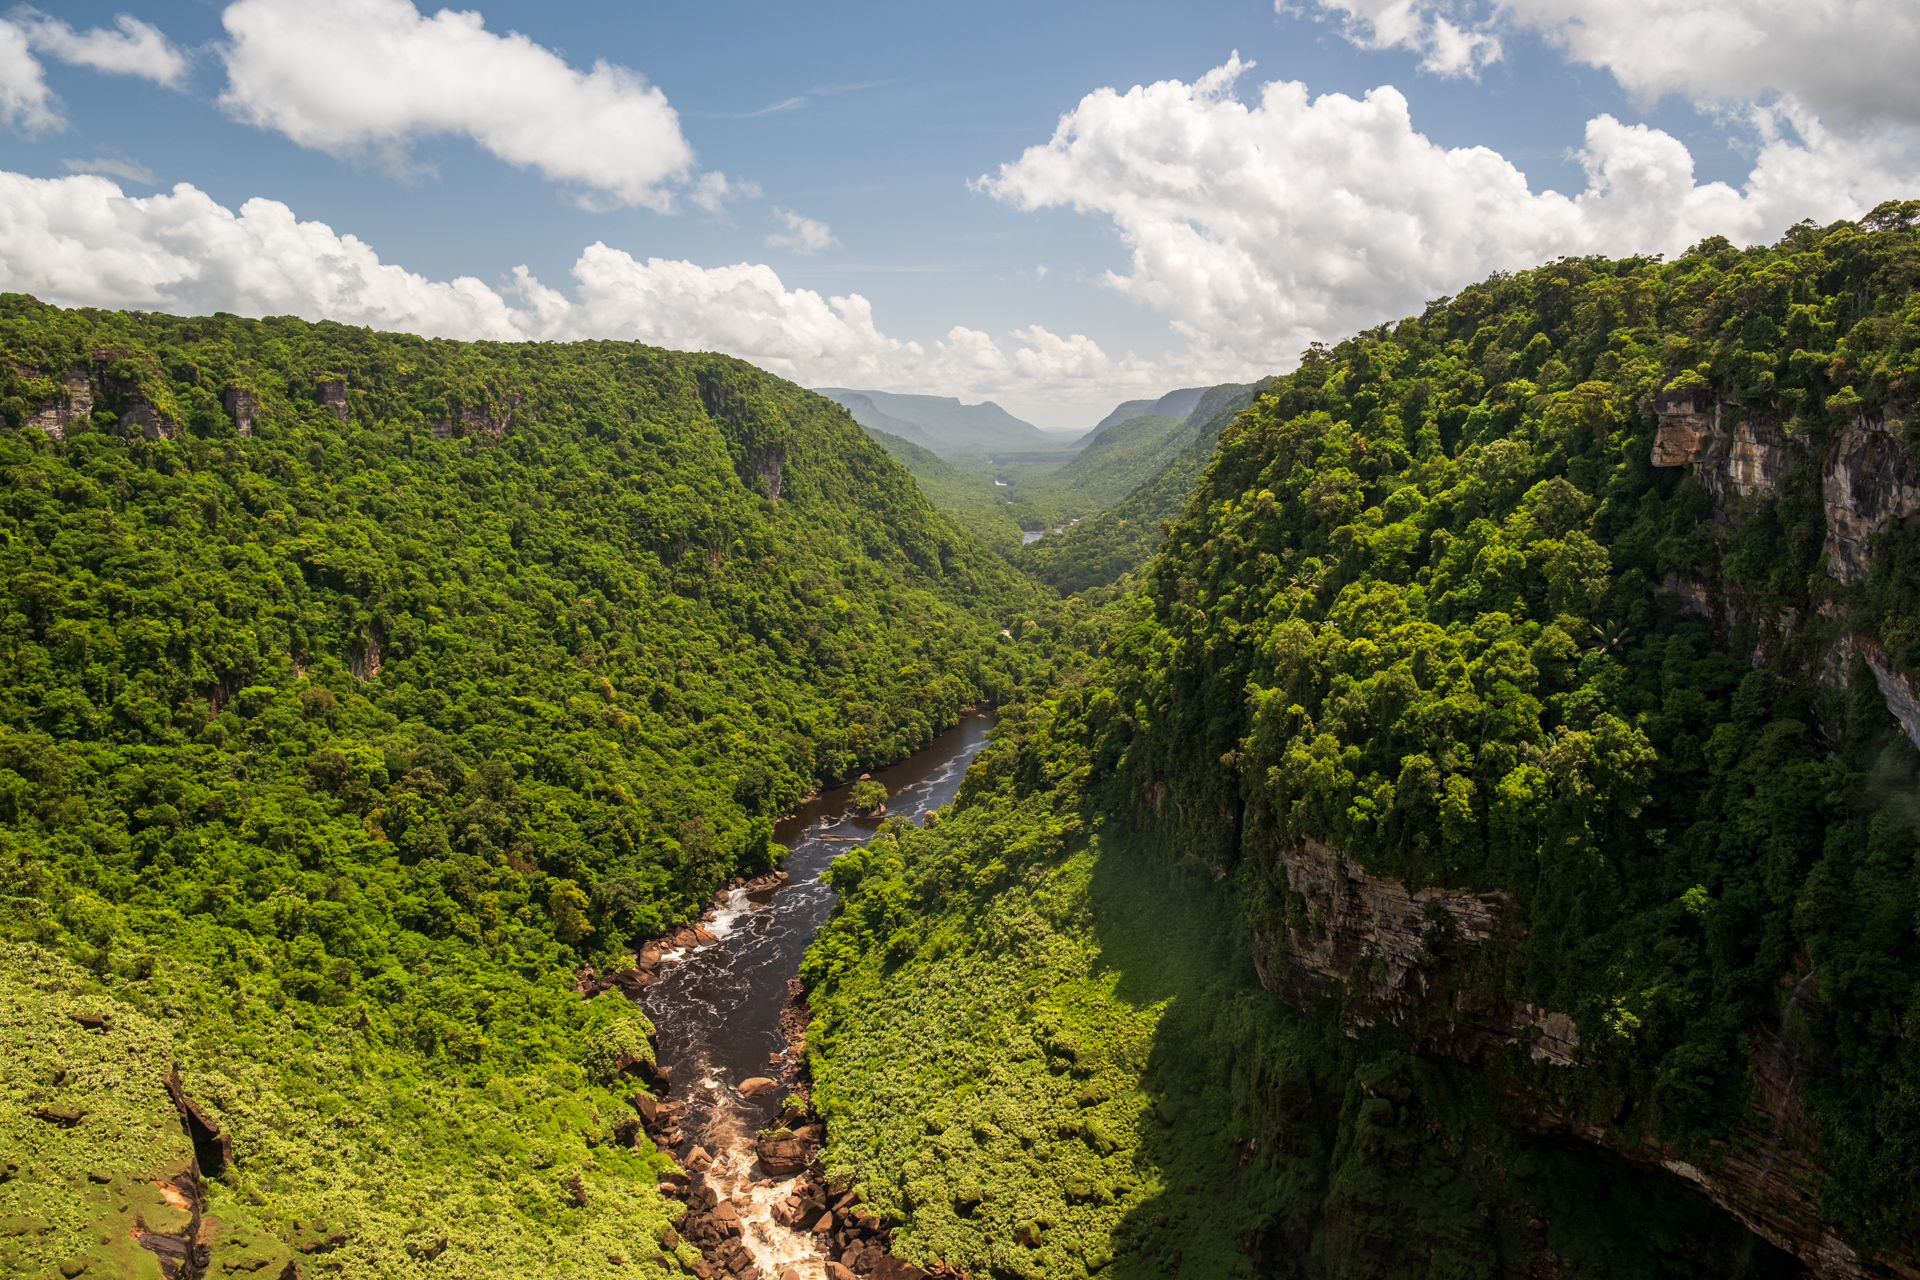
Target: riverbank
{"x": 729, "y": 1048}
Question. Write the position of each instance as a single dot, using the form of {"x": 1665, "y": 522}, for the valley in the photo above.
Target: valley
{"x": 1447, "y": 809}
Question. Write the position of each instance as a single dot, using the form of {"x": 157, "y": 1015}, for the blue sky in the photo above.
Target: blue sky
{"x": 877, "y": 120}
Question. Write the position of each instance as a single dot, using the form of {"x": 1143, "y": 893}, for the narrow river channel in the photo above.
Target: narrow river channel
{"x": 717, "y": 1008}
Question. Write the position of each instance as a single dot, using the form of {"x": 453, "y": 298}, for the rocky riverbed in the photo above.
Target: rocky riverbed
{"x": 728, "y": 1093}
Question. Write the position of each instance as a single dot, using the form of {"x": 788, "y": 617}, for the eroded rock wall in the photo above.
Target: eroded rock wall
{"x": 1388, "y": 952}
{"x": 1869, "y": 480}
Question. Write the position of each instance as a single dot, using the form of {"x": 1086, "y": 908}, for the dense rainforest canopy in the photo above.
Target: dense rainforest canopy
{"x": 362, "y": 687}
{"x": 358, "y": 687}
{"x": 1432, "y": 606}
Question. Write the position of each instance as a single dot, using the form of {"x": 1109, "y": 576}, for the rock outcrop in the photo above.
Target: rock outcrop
{"x": 1869, "y": 480}
{"x": 476, "y": 420}
{"x": 1387, "y": 951}
{"x": 73, "y": 403}
{"x": 1689, "y": 423}
{"x": 331, "y": 393}
{"x": 1341, "y": 920}
{"x": 243, "y": 406}
{"x": 1734, "y": 452}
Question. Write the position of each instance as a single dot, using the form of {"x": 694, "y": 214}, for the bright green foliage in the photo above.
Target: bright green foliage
{"x": 377, "y": 723}
{"x": 339, "y": 1142}
{"x": 1414, "y": 609}
{"x": 867, "y": 796}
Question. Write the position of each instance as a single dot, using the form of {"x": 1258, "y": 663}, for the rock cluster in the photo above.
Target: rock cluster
{"x": 856, "y": 1243}
{"x": 647, "y": 960}
{"x": 660, "y": 1120}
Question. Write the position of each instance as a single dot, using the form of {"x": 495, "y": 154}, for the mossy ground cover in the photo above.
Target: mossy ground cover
{"x": 346, "y": 1155}
{"x": 988, "y": 1081}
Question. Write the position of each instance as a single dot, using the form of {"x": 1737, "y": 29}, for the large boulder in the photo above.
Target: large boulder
{"x": 755, "y": 1085}
{"x": 781, "y": 1153}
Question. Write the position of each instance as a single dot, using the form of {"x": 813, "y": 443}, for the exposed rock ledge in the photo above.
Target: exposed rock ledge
{"x": 1387, "y": 948}
{"x": 1867, "y": 477}
{"x": 1343, "y": 920}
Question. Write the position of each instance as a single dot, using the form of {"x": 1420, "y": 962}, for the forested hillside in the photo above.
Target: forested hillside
{"x": 967, "y": 497}
{"x": 358, "y": 687}
{"x": 1486, "y": 844}
{"x": 1104, "y": 548}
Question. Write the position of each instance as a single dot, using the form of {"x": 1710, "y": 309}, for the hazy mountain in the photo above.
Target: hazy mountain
{"x": 868, "y": 415}
{"x": 942, "y": 423}
{"x": 1174, "y": 404}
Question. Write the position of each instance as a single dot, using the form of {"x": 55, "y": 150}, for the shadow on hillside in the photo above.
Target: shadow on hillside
{"x": 1274, "y": 1162}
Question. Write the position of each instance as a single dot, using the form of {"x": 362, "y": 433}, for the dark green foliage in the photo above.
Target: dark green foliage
{"x": 1428, "y": 604}
{"x": 1412, "y": 610}
{"x": 1019, "y": 1027}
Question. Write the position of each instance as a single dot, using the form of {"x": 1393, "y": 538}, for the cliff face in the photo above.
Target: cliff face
{"x": 1868, "y": 482}
{"x": 1395, "y": 954}
{"x": 1867, "y": 477}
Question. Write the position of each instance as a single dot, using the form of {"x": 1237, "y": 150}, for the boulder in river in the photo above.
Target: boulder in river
{"x": 756, "y": 1085}
{"x": 698, "y": 1160}
{"x": 782, "y": 1154}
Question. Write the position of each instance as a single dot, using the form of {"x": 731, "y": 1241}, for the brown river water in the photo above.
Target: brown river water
{"x": 717, "y": 1008}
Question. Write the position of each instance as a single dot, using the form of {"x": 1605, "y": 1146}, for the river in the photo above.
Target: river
{"x": 717, "y": 1008}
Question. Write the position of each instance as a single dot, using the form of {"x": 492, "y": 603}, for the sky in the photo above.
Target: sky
{"x": 1054, "y": 206}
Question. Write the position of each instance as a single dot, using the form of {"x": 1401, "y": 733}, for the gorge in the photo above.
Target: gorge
{"x": 1474, "y": 835}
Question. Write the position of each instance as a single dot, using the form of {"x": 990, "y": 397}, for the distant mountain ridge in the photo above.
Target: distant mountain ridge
{"x": 1174, "y": 404}
{"x": 942, "y": 423}
{"x": 1125, "y": 535}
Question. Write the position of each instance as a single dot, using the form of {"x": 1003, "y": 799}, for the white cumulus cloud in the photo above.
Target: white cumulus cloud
{"x": 81, "y": 241}
{"x": 803, "y": 235}
{"x": 1850, "y": 61}
{"x": 1427, "y": 27}
{"x": 1847, "y": 60}
{"x": 132, "y": 48}
{"x": 370, "y": 77}
{"x": 1257, "y": 227}
{"x": 26, "y": 103}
